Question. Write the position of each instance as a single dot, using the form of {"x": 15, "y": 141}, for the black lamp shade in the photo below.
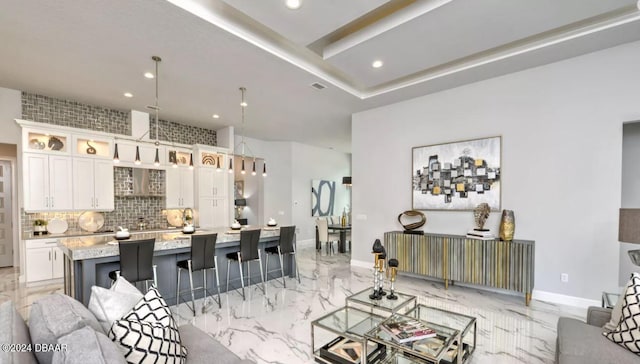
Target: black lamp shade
{"x": 137, "y": 160}
{"x": 116, "y": 157}
{"x": 241, "y": 202}
{"x": 346, "y": 181}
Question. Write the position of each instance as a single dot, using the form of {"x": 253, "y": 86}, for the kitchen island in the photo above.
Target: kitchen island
{"x": 89, "y": 259}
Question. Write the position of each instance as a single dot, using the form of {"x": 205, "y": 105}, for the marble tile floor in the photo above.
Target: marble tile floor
{"x": 275, "y": 327}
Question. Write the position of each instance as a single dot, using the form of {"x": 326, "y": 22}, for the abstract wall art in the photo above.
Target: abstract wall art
{"x": 457, "y": 176}
{"x": 323, "y": 196}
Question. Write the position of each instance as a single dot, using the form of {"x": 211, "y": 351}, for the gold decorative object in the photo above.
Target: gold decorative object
{"x": 480, "y": 214}
{"x": 507, "y": 225}
{"x": 413, "y": 225}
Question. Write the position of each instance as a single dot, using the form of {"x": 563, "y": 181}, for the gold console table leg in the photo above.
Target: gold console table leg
{"x": 527, "y": 298}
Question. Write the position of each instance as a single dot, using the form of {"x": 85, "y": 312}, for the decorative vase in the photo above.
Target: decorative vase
{"x": 507, "y": 225}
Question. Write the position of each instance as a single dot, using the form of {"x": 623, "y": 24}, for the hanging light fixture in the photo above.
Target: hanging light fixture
{"x": 191, "y": 161}
{"x": 116, "y": 157}
{"x": 137, "y": 161}
{"x": 218, "y": 169}
{"x": 231, "y": 164}
{"x": 156, "y": 161}
{"x": 243, "y": 105}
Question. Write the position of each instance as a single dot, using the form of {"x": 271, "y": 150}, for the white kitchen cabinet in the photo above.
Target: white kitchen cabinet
{"x": 213, "y": 213}
{"x": 44, "y": 260}
{"x": 93, "y": 184}
{"x": 180, "y": 187}
{"x": 212, "y": 183}
{"x": 47, "y": 182}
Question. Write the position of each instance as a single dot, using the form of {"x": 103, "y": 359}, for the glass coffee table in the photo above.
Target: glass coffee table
{"x": 383, "y": 306}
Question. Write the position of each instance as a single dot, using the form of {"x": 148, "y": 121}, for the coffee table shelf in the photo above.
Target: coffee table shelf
{"x": 384, "y": 306}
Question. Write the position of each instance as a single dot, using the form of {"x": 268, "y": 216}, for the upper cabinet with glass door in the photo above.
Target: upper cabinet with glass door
{"x": 39, "y": 141}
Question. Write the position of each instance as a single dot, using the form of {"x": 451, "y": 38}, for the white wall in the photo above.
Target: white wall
{"x": 10, "y": 109}
{"x": 630, "y": 191}
{"x": 561, "y": 127}
{"x": 311, "y": 163}
{"x": 287, "y": 188}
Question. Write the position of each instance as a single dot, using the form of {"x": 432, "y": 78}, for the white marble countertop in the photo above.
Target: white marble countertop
{"x": 77, "y": 233}
{"x": 105, "y": 245}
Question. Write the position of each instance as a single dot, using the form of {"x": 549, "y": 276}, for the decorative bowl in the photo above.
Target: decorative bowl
{"x": 122, "y": 237}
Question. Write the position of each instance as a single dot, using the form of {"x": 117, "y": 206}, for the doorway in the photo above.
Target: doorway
{"x": 6, "y": 214}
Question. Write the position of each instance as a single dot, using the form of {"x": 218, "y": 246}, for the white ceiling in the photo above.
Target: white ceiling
{"x": 94, "y": 51}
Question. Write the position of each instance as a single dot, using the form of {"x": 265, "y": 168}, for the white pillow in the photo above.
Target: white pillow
{"x": 616, "y": 313}
{"x": 109, "y": 305}
{"x": 149, "y": 334}
{"x": 627, "y": 334}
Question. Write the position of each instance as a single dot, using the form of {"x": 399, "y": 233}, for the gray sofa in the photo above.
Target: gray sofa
{"x": 85, "y": 339}
{"x": 583, "y": 343}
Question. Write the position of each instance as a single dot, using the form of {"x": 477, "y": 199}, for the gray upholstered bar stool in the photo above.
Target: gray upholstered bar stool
{"x": 248, "y": 252}
{"x": 136, "y": 262}
{"x": 203, "y": 257}
{"x": 285, "y": 246}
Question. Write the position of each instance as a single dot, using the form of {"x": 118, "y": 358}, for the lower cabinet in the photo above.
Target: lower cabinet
{"x": 44, "y": 260}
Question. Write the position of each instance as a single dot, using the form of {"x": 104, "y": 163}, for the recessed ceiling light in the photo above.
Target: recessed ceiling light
{"x": 377, "y": 64}
{"x": 128, "y": 94}
{"x": 293, "y": 4}
{"x": 148, "y": 75}
{"x": 216, "y": 116}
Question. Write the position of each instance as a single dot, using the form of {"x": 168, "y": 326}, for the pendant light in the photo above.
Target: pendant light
{"x": 156, "y": 161}
{"x": 243, "y": 105}
{"x": 230, "y": 164}
{"x": 137, "y": 162}
{"x": 218, "y": 169}
{"x": 116, "y": 157}
{"x": 191, "y": 161}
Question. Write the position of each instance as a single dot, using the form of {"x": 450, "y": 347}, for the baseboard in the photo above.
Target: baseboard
{"x": 305, "y": 243}
{"x": 361, "y": 264}
{"x": 564, "y": 299}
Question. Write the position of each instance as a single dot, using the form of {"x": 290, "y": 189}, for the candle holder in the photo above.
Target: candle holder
{"x": 393, "y": 269}
{"x": 378, "y": 249}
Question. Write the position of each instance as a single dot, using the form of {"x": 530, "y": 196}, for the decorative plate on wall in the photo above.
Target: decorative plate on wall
{"x": 174, "y": 218}
{"x": 91, "y": 221}
{"x": 57, "y": 226}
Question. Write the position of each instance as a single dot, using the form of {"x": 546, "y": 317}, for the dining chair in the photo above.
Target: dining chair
{"x": 285, "y": 246}
{"x": 324, "y": 236}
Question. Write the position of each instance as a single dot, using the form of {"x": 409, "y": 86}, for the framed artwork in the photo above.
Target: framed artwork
{"x": 323, "y": 196}
{"x": 238, "y": 189}
{"x": 471, "y": 167}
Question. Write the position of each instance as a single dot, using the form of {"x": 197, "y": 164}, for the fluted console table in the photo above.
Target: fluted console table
{"x": 501, "y": 264}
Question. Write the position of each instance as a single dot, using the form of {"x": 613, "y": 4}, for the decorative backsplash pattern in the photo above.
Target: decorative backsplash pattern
{"x": 128, "y": 209}
{"x": 45, "y": 109}
{"x": 180, "y": 133}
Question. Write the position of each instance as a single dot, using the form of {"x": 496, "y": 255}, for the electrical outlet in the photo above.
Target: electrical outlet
{"x": 564, "y": 277}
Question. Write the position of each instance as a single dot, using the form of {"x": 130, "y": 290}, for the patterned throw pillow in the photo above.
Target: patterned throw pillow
{"x": 148, "y": 333}
{"x": 627, "y": 334}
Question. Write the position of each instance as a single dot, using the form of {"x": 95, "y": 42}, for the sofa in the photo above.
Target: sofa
{"x": 83, "y": 337}
{"x": 583, "y": 343}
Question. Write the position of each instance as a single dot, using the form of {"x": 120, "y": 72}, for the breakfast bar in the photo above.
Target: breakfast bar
{"x": 89, "y": 259}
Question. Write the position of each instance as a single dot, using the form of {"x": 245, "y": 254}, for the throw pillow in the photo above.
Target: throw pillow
{"x": 627, "y": 334}
{"x": 111, "y": 304}
{"x": 54, "y": 316}
{"x": 616, "y": 313}
{"x": 148, "y": 333}
{"x": 87, "y": 346}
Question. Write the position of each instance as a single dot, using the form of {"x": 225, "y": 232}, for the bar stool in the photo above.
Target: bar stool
{"x": 285, "y": 246}
{"x": 203, "y": 257}
{"x": 248, "y": 252}
{"x": 136, "y": 262}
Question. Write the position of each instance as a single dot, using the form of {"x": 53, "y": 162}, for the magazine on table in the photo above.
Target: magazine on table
{"x": 404, "y": 329}
{"x": 346, "y": 351}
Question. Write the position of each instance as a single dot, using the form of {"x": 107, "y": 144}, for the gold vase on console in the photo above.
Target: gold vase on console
{"x": 507, "y": 225}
